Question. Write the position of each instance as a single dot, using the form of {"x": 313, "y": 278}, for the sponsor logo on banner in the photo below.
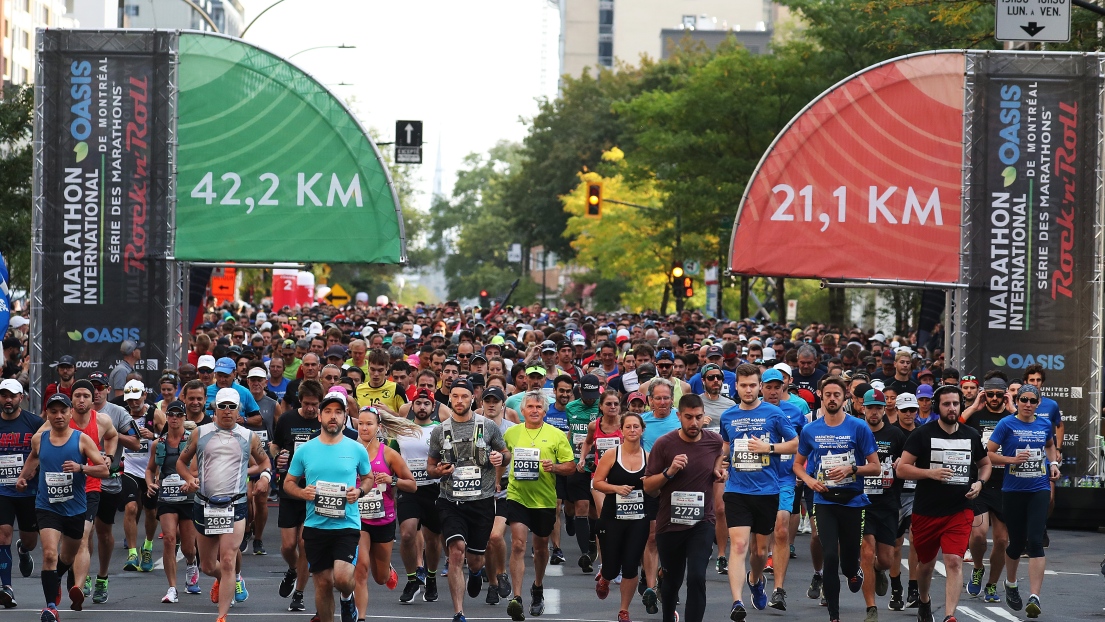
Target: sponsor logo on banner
{"x": 105, "y": 335}
{"x": 1020, "y": 361}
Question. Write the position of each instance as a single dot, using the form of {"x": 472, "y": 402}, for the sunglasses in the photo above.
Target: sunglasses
{"x": 464, "y": 356}
{"x": 968, "y": 379}
{"x": 713, "y": 377}
{"x": 227, "y": 406}
{"x": 203, "y": 372}
{"x": 995, "y": 393}
{"x": 663, "y": 365}
{"x": 174, "y": 413}
{"x": 1028, "y": 400}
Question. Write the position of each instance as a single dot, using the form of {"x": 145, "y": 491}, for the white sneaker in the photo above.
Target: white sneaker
{"x": 618, "y": 579}
{"x": 968, "y": 558}
{"x": 170, "y": 596}
{"x": 192, "y": 578}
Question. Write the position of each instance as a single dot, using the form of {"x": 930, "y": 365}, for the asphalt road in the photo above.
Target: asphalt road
{"x": 1073, "y": 590}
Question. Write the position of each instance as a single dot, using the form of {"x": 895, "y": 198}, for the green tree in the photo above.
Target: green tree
{"x": 16, "y": 164}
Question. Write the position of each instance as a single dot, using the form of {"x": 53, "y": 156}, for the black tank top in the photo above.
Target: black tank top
{"x": 619, "y": 476}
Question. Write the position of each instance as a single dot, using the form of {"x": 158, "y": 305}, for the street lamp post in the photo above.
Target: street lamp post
{"x": 323, "y": 47}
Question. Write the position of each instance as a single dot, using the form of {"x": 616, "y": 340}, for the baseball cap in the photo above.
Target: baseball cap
{"x": 772, "y": 375}
{"x": 225, "y": 365}
{"x": 497, "y": 340}
{"x": 175, "y": 406}
{"x": 784, "y": 369}
{"x": 476, "y": 380}
{"x": 206, "y": 362}
{"x": 548, "y": 346}
{"x": 879, "y": 337}
{"x": 636, "y": 395}
{"x": 713, "y": 351}
{"x": 861, "y": 390}
{"x": 228, "y": 395}
{"x": 134, "y": 389}
{"x": 924, "y": 391}
{"x": 708, "y": 367}
{"x": 257, "y": 372}
{"x": 579, "y": 340}
{"x": 665, "y": 355}
{"x": 331, "y": 396}
{"x": 59, "y": 397}
{"x": 11, "y": 385}
{"x": 98, "y": 377}
{"x": 477, "y": 356}
{"x": 335, "y": 352}
{"x": 887, "y": 356}
{"x": 925, "y": 372}
{"x": 769, "y": 354}
{"x": 874, "y": 397}
{"x": 622, "y": 335}
{"x": 426, "y": 394}
{"x": 535, "y": 369}
{"x": 129, "y": 346}
{"x": 66, "y": 361}
{"x": 807, "y": 395}
{"x": 462, "y": 383}
{"x": 18, "y": 322}
{"x": 878, "y": 384}
{"x": 906, "y": 400}
{"x": 494, "y": 392}
{"x": 589, "y": 387}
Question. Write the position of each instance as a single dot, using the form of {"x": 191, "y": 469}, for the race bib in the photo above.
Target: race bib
{"x": 909, "y": 484}
{"x": 527, "y": 463}
{"x": 170, "y": 491}
{"x": 959, "y": 461}
{"x": 830, "y": 461}
{"x": 11, "y": 465}
{"x": 143, "y": 452}
{"x": 467, "y": 481}
{"x": 371, "y": 506}
{"x": 577, "y": 442}
{"x": 263, "y": 435}
{"x": 882, "y": 482}
{"x": 687, "y": 508}
{"x": 1032, "y": 468}
{"x": 330, "y": 499}
{"x": 631, "y": 506}
{"x": 297, "y": 445}
{"x": 741, "y": 457}
{"x": 59, "y": 487}
{"x": 218, "y": 520}
{"x": 418, "y": 471}
{"x": 606, "y": 444}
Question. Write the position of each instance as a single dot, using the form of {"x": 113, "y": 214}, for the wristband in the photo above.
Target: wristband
{"x": 266, "y": 475}
{"x": 666, "y": 476}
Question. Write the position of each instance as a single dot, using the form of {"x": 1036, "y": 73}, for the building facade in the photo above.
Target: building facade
{"x": 20, "y": 19}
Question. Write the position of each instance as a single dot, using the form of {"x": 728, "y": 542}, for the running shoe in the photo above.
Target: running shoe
{"x": 602, "y": 588}
{"x": 1013, "y": 597}
{"x": 241, "y": 594}
{"x": 896, "y": 601}
{"x": 259, "y": 548}
{"x": 297, "y": 602}
{"x": 759, "y": 593}
{"x": 99, "y": 592}
{"x": 76, "y": 598}
{"x": 557, "y": 557}
{"x": 991, "y": 594}
{"x": 287, "y": 584}
{"x": 924, "y": 612}
{"x": 778, "y": 599}
{"x": 514, "y": 609}
{"x": 131, "y": 565}
{"x": 421, "y": 574}
{"x": 950, "y": 619}
{"x": 7, "y": 597}
{"x": 88, "y": 586}
{"x": 147, "y": 561}
{"x": 49, "y": 614}
{"x": 974, "y": 586}
{"x": 913, "y": 598}
{"x": 722, "y": 565}
{"x": 815, "y": 587}
{"x": 410, "y": 590}
{"x": 882, "y": 583}
{"x": 1033, "y": 606}
{"x": 393, "y": 580}
{"x": 769, "y": 565}
{"x": 872, "y": 615}
{"x": 475, "y": 582}
{"x": 445, "y": 569}
{"x": 584, "y": 563}
{"x": 856, "y": 582}
{"x": 215, "y": 592}
{"x": 649, "y": 599}
{"x": 492, "y": 595}
{"x": 623, "y": 616}
{"x": 738, "y": 613}
{"x": 430, "y": 593}
{"x": 348, "y": 609}
{"x": 456, "y": 618}
{"x": 26, "y": 562}
{"x": 537, "y": 600}
{"x": 192, "y": 579}
{"x": 170, "y": 596}
{"x": 504, "y": 584}
{"x": 793, "y": 555}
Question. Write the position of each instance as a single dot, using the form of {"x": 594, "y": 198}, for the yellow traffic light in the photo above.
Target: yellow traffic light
{"x": 677, "y": 271}
{"x": 594, "y": 200}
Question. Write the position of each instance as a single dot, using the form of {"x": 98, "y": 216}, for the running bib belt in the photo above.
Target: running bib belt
{"x": 330, "y": 499}
{"x": 631, "y": 506}
{"x": 527, "y": 463}
{"x": 687, "y": 508}
{"x": 371, "y": 506}
{"x": 59, "y": 486}
{"x": 218, "y": 520}
{"x": 11, "y": 465}
{"x": 170, "y": 491}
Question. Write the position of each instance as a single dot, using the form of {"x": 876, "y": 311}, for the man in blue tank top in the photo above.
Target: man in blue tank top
{"x": 63, "y": 458}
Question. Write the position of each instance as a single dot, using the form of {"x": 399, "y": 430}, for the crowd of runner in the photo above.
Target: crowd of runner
{"x": 658, "y": 444}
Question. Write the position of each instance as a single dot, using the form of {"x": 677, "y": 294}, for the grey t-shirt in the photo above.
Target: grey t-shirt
{"x": 714, "y": 409}
{"x": 118, "y": 376}
{"x": 465, "y": 453}
{"x": 267, "y": 406}
{"x": 121, "y": 419}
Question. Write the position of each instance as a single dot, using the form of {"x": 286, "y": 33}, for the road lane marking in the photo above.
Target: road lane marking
{"x": 974, "y": 614}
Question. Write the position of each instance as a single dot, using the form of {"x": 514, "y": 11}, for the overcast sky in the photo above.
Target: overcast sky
{"x": 469, "y": 70}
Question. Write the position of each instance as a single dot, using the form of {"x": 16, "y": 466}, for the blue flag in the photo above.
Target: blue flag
{"x": 5, "y": 298}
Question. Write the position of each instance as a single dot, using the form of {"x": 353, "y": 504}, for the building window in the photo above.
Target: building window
{"x": 606, "y": 33}
{"x": 26, "y": 40}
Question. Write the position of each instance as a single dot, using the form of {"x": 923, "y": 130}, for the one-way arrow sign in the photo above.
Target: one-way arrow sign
{"x": 408, "y": 142}
{"x": 1032, "y": 20}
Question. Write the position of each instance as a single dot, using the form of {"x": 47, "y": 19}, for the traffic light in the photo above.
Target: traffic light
{"x": 484, "y": 301}
{"x": 594, "y": 200}
{"x": 677, "y": 279}
{"x": 686, "y": 286}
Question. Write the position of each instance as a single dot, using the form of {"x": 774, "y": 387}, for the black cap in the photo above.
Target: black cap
{"x": 175, "y": 405}
{"x": 66, "y": 361}
{"x": 494, "y": 392}
{"x": 476, "y": 380}
{"x": 58, "y": 397}
{"x": 98, "y": 377}
{"x": 589, "y": 387}
{"x": 462, "y": 383}
{"x": 335, "y": 351}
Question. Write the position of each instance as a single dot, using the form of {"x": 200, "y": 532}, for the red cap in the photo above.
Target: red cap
{"x": 807, "y": 395}
{"x": 424, "y": 394}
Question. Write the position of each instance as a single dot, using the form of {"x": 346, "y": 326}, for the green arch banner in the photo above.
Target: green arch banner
{"x": 271, "y": 166}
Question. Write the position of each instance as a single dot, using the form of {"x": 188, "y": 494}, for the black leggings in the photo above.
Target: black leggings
{"x": 687, "y": 551}
{"x": 841, "y": 531}
{"x": 1025, "y": 516}
{"x": 623, "y": 544}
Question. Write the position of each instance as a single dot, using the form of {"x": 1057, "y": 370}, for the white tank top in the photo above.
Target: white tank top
{"x": 224, "y": 459}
